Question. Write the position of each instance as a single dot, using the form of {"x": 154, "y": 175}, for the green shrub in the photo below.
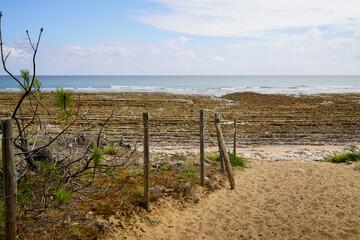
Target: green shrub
{"x": 110, "y": 150}
{"x": 234, "y": 160}
{"x": 62, "y": 196}
{"x": 344, "y": 157}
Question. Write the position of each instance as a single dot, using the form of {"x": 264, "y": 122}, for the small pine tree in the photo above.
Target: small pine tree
{"x": 96, "y": 156}
{"x": 63, "y": 99}
{"x": 62, "y": 196}
{"x": 25, "y": 75}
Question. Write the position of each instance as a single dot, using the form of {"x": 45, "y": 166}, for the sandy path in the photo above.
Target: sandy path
{"x": 273, "y": 200}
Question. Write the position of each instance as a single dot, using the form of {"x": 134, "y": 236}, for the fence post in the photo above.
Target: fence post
{"x": 146, "y": 161}
{"x": 235, "y": 136}
{"x": 224, "y": 152}
{"x": 9, "y": 178}
{"x": 220, "y": 151}
{"x": 202, "y": 161}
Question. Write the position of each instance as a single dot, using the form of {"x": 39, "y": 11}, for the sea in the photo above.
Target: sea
{"x": 206, "y": 85}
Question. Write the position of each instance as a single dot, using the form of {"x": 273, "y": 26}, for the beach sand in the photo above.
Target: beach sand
{"x": 272, "y": 200}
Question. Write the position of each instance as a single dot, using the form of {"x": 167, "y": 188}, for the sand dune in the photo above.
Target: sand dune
{"x": 273, "y": 200}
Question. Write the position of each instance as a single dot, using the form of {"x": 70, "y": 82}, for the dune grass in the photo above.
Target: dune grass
{"x": 344, "y": 157}
{"x": 236, "y": 161}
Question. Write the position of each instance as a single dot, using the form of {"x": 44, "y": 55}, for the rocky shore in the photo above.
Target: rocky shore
{"x": 262, "y": 119}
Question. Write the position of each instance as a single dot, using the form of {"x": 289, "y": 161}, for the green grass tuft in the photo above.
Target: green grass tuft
{"x": 62, "y": 196}
{"x": 234, "y": 160}
{"x": 344, "y": 157}
{"x": 110, "y": 150}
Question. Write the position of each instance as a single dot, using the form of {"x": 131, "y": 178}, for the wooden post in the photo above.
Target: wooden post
{"x": 235, "y": 137}
{"x": 220, "y": 151}
{"x": 0, "y": 143}
{"x": 224, "y": 152}
{"x": 146, "y": 161}
{"x": 202, "y": 160}
{"x": 9, "y": 178}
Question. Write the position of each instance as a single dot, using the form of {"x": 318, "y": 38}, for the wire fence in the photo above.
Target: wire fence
{"x": 6, "y": 195}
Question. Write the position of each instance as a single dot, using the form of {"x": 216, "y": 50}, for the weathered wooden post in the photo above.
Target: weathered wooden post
{"x": 221, "y": 158}
{"x": 220, "y": 151}
{"x": 235, "y": 137}
{"x": 9, "y": 178}
{"x": 0, "y": 142}
{"x": 146, "y": 161}
{"x": 202, "y": 160}
{"x": 224, "y": 152}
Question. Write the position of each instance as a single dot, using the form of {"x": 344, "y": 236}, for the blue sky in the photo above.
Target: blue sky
{"x": 188, "y": 37}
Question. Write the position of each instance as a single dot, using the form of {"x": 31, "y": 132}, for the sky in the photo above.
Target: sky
{"x": 187, "y": 37}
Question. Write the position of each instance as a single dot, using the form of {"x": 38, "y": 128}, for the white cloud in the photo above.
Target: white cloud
{"x": 234, "y": 46}
{"x": 186, "y": 54}
{"x": 311, "y": 52}
{"x": 98, "y": 51}
{"x": 351, "y": 45}
{"x": 176, "y": 42}
{"x": 249, "y": 17}
{"x": 218, "y": 58}
{"x": 312, "y": 36}
{"x": 154, "y": 50}
{"x": 309, "y": 41}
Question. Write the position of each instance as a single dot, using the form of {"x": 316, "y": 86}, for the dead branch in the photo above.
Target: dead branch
{"x": 102, "y": 127}
{"x": 27, "y": 91}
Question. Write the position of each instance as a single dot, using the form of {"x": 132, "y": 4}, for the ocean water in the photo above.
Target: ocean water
{"x": 208, "y": 85}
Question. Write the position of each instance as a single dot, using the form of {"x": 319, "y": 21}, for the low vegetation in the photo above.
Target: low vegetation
{"x": 49, "y": 205}
{"x": 236, "y": 161}
{"x": 344, "y": 158}
{"x": 62, "y": 196}
{"x": 110, "y": 150}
